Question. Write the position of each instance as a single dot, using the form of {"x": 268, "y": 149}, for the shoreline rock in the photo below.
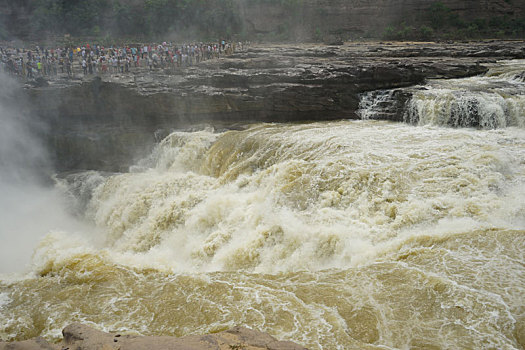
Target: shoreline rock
{"x": 82, "y": 337}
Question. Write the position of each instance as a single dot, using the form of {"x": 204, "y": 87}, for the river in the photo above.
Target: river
{"x": 336, "y": 235}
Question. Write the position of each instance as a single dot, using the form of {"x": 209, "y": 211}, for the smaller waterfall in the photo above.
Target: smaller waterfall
{"x": 495, "y": 100}
{"x": 375, "y": 104}
{"x": 486, "y": 110}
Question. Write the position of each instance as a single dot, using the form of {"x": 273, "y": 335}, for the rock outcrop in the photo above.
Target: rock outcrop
{"x": 107, "y": 122}
{"x": 82, "y": 337}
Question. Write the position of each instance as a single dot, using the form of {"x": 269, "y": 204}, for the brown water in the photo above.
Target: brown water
{"x": 340, "y": 235}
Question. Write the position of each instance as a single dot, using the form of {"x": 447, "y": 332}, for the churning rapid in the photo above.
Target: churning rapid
{"x": 495, "y": 100}
{"x": 336, "y": 235}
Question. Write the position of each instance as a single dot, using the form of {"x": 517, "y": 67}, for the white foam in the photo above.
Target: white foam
{"x": 495, "y": 100}
{"x": 323, "y": 195}
{"x": 4, "y": 299}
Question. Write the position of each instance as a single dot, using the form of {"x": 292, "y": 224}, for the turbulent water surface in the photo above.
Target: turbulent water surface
{"x": 493, "y": 100}
{"x": 336, "y": 235}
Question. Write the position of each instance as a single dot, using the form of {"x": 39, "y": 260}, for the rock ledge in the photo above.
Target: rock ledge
{"x": 81, "y": 337}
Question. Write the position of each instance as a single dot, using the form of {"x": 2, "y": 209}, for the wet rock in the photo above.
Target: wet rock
{"x": 39, "y": 82}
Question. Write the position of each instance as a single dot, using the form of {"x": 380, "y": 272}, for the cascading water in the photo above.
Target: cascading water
{"x": 495, "y": 100}
{"x": 337, "y": 235}
{"x": 377, "y": 105}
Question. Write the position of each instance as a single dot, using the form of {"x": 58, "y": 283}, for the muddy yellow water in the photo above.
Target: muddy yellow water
{"x": 340, "y": 235}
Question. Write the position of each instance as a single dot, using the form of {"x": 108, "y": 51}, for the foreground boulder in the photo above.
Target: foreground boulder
{"x": 81, "y": 337}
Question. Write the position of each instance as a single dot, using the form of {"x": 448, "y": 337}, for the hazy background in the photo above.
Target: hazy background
{"x": 266, "y": 20}
{"x": 30, "y": 206}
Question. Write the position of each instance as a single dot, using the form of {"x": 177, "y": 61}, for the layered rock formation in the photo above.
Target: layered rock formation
{"x": 107, "y": 122}
{"x": 78, "y": 336}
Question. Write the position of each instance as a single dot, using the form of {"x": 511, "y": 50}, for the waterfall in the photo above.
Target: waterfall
{"x": 495, "y": 100}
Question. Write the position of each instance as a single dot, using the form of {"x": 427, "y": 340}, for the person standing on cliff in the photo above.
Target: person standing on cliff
{"x": 22, "y": 66}
{"x": 29, "y": 70}
{"x": 43, "y": 66}
{"x": 39, "y": 68}
{"x": 47, "y": 66}
{"x": 103, "y": 64}
{"x": 68, "y": 68}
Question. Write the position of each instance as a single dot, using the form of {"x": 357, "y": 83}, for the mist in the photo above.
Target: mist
{"x": 30, "y": 206}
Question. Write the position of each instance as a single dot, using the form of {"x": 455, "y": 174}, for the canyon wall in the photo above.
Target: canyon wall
{"x": 347, "y": 19}
{"x": 275, "y": 20}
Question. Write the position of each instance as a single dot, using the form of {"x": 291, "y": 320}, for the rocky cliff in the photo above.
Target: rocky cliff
{"x": 107, "y": 122}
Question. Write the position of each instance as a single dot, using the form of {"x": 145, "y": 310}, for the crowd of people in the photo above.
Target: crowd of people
{"x": 98, "y": 59}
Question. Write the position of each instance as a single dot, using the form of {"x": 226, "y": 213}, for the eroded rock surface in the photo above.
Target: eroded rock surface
{"x": 82, "y": 337}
